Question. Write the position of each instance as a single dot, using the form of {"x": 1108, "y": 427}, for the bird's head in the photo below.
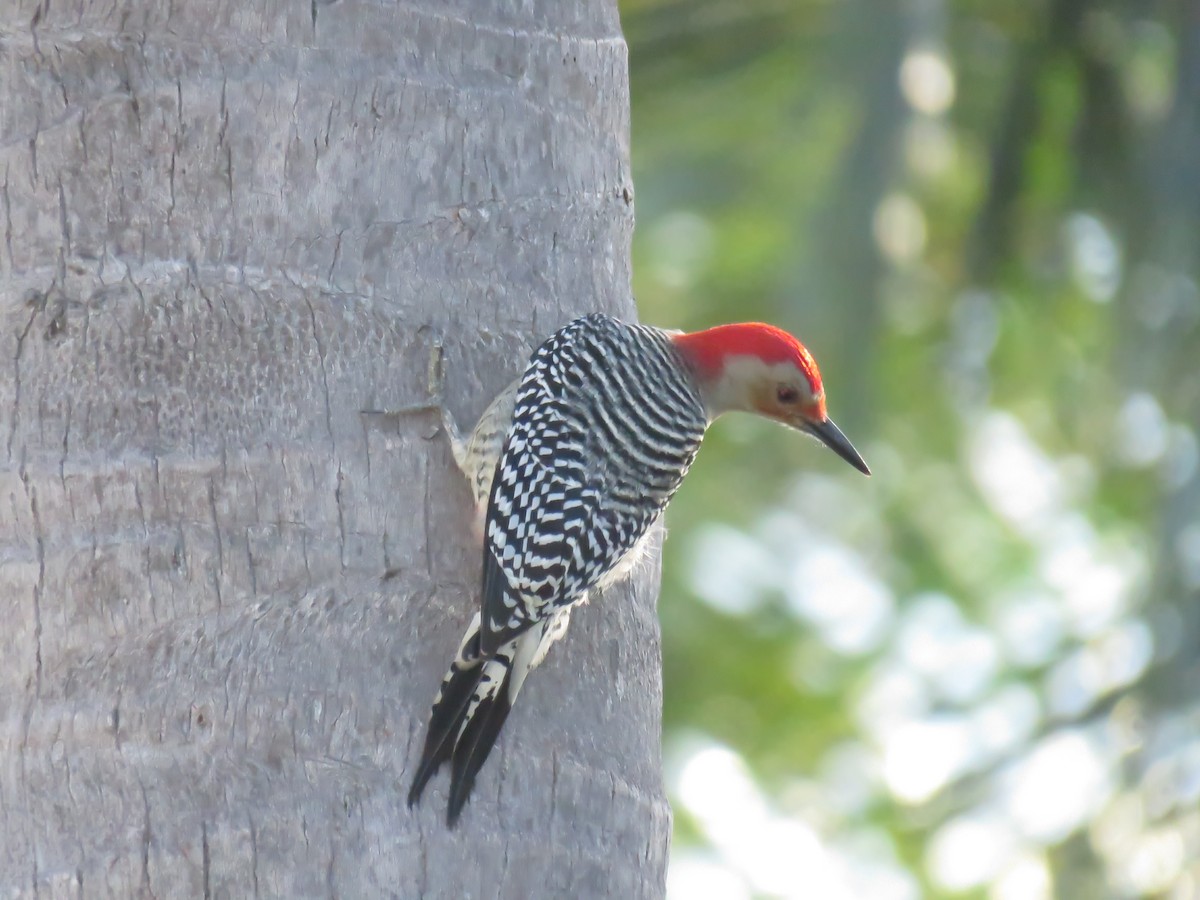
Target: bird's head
{"x": 762, "y": 369}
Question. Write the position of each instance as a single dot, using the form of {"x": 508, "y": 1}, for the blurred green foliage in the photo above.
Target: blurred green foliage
{"x": 976, "y": 674}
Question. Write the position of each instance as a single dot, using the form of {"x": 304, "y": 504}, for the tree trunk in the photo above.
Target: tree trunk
{"x": 229, "y": 227}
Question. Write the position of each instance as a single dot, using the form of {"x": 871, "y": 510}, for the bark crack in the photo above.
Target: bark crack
{"x": 330, "y": 880}
{"x": 207, "y": 860}
{"x": 147, "y": 836}
{"x": 8, "y": 225}
{"x": 429, "y": 538}
{"x": 337, "y": 249}
{"x": 254, "y": 854}
{"x": 212, "y": 509}
{"x": 312, "y": 314}
{"x": 553, "y": 788}
{"x": 31, "y": 494}
{"x": 16, "y": 410}
{"x": 251, "y": 564}
{"x": 66, "y": 442}
{"x": 337, "y": 496}
{"x": 64, "y": 225}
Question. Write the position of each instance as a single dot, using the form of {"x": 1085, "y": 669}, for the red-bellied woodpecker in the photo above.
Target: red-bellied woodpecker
{"x": 577, "y": 459}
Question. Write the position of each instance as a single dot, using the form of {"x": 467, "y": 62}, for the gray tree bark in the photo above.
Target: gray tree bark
{"x": 229, "y": 227}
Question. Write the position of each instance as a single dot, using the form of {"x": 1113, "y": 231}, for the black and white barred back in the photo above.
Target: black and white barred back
{"x": 605, "y": 424}
{"x": 591, "y": 460}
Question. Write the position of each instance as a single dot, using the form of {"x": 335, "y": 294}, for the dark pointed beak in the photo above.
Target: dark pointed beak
{"x": 831, "y": 436}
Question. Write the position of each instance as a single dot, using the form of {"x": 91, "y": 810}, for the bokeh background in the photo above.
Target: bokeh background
{"x": 976, "y": 674}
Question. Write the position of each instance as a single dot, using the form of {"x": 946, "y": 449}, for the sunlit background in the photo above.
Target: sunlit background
{"x": 977, "y": 673}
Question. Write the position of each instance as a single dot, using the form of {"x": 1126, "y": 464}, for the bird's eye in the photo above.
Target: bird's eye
{"x": 786, "y": 394}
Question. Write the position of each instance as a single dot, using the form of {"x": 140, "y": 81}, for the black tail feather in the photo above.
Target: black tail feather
{"x": 471, "y": 707}
{"x": 477, "y": 739}
{"x": 445, "y": 722}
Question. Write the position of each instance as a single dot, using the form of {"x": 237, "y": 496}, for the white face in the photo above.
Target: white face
{"x": 778, "y": 391}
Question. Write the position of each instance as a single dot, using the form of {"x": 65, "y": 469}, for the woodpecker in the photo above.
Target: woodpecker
{"x": 576, "y": 460}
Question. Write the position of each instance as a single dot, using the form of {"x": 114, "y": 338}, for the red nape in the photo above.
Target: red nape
{"x": 709, "y": 349}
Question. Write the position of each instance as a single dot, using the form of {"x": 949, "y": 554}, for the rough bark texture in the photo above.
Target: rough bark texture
{"x": 228, "y": 227}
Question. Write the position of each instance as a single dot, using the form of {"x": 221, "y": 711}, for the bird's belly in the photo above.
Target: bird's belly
{"x": 626, "y": 563}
